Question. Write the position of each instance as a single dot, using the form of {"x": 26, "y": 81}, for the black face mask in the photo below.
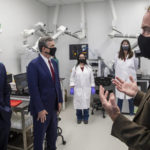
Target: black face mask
{"x": 82, "y": 61}
{"x": 144, "y": 45}
{"x": 125, "y": 48}
{"x": 52, "y": 51}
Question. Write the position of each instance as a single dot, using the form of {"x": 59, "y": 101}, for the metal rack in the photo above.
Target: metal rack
{"x": 21, "y": 126}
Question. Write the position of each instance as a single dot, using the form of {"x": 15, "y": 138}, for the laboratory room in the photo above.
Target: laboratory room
{"x": 74, "y": 74}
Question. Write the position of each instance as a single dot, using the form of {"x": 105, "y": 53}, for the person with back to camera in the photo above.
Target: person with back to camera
{"x": 125, "y": 65}
{"x": 136, "y": 133}
{"x": 5, "y": 109}
{"x": 82, "y": 85}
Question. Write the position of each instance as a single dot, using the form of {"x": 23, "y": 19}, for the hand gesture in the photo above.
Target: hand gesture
{"x": 129, "y": 89}
{"x": 109, "y": 105}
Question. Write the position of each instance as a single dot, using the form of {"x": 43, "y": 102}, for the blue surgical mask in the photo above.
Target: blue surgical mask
{"x": 125, "y": 47}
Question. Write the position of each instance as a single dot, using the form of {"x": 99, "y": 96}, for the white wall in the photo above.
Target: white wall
{"x": 98, "y": 17}
{"x": 15, "y": 16}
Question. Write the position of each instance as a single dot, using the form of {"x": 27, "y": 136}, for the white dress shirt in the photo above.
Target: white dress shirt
{"x": 47, "y": 63}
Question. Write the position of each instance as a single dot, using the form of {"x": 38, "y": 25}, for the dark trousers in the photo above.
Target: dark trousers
{"x": 49, "y": 127}
{"x": 131, "y": 105}
{"x": 82, "y": 114}
{"x": 4, "y": 128}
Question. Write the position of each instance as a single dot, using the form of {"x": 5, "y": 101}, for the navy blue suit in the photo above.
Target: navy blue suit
{"x": 5, "y": 110}
{"x": 44, "y": 94}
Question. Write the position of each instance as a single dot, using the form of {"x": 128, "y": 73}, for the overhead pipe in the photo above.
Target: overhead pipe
{"x": 113, "y": 13}
{"x": 55, "y": 19}
{"x": 73, "y": 35}
{"x": 116, "y": 33}
{"x": 83, "y": 22}
{"x": 125, "y": 36}
{"x": 81, "y": 34}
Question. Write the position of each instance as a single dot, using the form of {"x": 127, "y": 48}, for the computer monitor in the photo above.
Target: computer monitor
{"x": 76, "y": 49}
{"x": 104, "y": 81}
{"x": 21, "y": 82}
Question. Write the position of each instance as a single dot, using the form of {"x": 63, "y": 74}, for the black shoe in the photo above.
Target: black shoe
{"x": 79, "y": 121}
{"x": 85, "y": 121}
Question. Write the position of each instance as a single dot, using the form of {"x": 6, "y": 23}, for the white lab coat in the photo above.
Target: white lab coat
{"x": 124, "y": 69}
{"x": 82, "y": 82}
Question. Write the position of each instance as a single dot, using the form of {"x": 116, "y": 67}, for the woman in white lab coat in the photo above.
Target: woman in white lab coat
{"x": 125, "y": 65}
{"x": 81, "y": 86}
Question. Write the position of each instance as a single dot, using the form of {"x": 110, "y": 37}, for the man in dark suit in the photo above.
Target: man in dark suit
{"x": 46, "y": 96}
{"x": 5, "y": 110}
{"x": 136, "y": 133}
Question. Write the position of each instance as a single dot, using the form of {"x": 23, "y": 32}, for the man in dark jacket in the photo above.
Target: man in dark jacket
{"x": 46, "y": 96}
{"x": 136, "y": 133}
{"x": 5, "y": 110}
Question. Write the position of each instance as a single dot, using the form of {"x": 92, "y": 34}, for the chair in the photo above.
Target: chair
{"x": 106, "y": 83}
{"x": 59, "y": 132}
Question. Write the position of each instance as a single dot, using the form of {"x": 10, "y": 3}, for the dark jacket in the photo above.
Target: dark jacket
{"x": 44, "y": 92}
{"x": 136, "y": 133}
{"x": 4, "y": 89}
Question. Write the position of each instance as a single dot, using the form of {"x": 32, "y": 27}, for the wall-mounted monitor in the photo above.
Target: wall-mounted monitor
{"x": 76, "y": 49}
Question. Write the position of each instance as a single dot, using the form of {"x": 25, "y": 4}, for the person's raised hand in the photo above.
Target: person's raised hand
{"x": 129, "y": 89}
{"x": 109, "y": 105}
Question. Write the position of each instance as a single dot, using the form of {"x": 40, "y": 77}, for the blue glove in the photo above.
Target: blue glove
{"x": 93, "y": 90}
{"x": 72, "y": 91}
